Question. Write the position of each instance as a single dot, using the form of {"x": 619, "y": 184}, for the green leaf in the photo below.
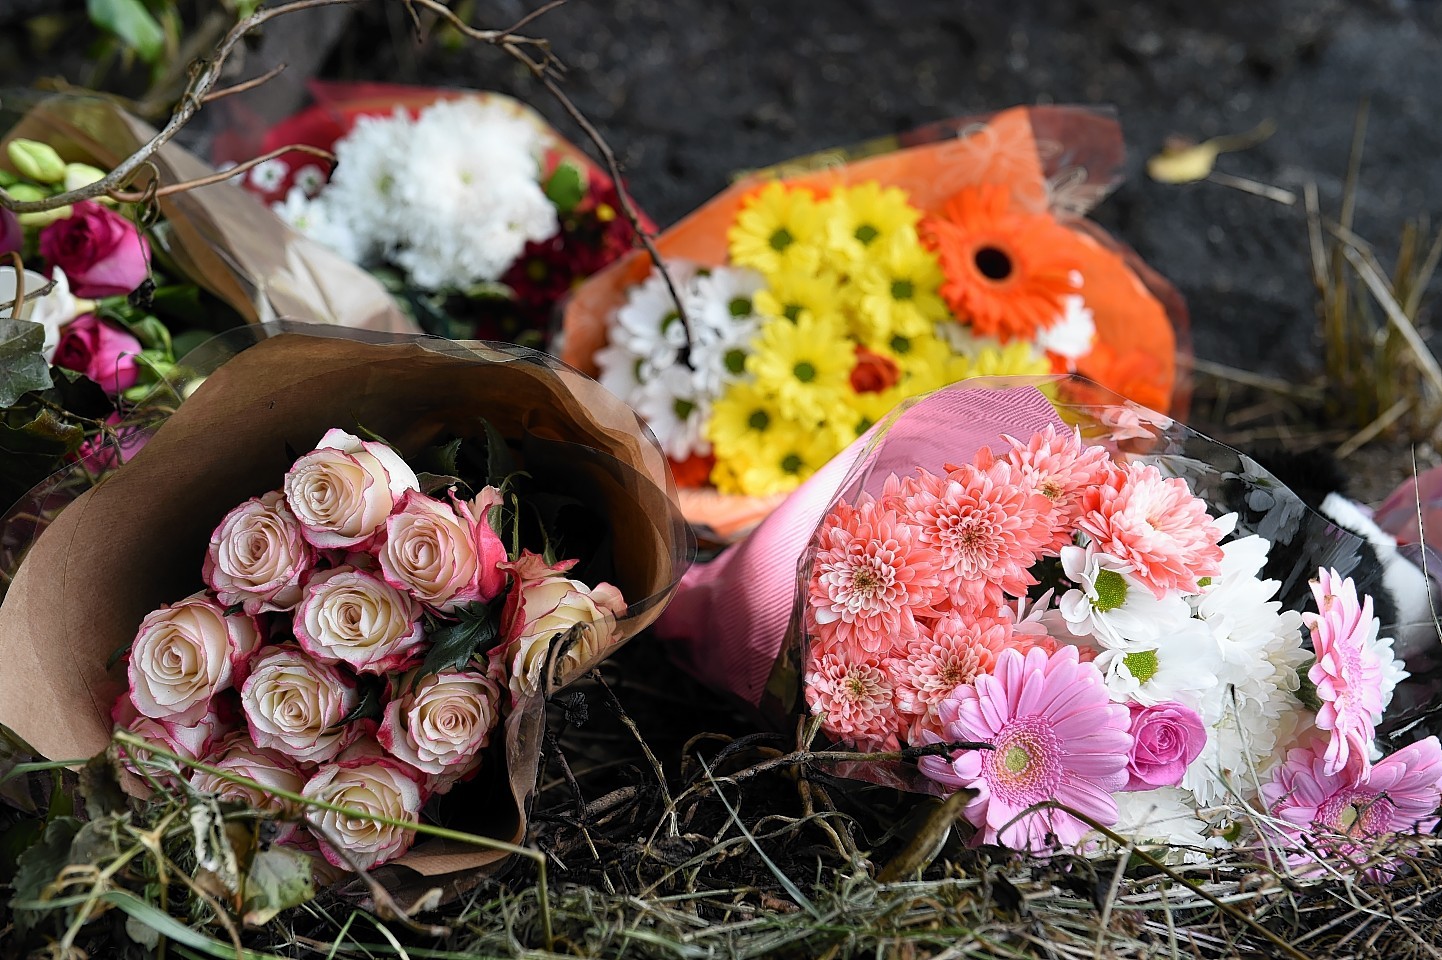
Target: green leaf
{"x": 441, "y": 458}
{"x": 132, "y": 23}
{"x": 499, "y": 462}
{"x": 370, "y": 704}
{"x": 278, "y": 880}
{"x": 434, "y": 483}
{"x": 566, "y": 187}
{"x": 40, "y": 865}
{"x": 100, "y": 786}
{"x": 22, "y": 360}
{"x": 475, "y": 633}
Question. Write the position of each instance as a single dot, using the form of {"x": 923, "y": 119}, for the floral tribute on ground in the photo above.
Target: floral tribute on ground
{"x": 807, "y": 307}
{"x": 363, "y": 630}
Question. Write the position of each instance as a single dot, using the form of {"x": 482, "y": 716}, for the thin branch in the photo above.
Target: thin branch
{"x": 245, "y": 85}
{"x": 220, "y": 176}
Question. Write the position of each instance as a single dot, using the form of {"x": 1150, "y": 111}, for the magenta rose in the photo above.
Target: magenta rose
{"x": 445, "y": 556}
{"x": 1166, "y": 738}
{"x": 101, "y": 252}
{"x": 104, "y": 353}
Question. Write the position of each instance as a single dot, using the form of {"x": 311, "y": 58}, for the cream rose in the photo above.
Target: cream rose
{"x": 184, "y": 654}
{"x": 192, "y": 741}
{"x": 544, "y": 605}
{"x": 236, "y": 754}
{"x": 443, "y": 556}
{"x": 293, "y": 705}
{"x": 369, "y": 785}
{"x": 443, "y": 723}
{"x": 343, "y": 490}
{"x": 258, "y": 556}
{"x": 355, "y": 618}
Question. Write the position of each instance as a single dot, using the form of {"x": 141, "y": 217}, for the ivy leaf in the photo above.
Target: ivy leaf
{"x": 475, "y": 633}
{"x": 22, "y": 360}
{"x": 565, "y": 187}
{"x": 132, "y": 23}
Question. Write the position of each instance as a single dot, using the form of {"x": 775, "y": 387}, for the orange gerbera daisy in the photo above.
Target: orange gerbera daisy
{"x": 1006, "y": 270}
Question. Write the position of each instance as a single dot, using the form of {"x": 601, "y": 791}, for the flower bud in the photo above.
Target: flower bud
{"x": 79, "y": 175}
{"x": 28, "y": 192}
{"x": 35, "y": 160}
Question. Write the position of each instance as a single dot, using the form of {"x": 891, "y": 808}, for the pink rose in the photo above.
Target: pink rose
{"x": 192, "y": 741}
{"x": 258, "y": 556}
{"x": 295, "y": 705}
{"x": 544, "y": 605}
{"x": 377, "y": 785}
{"x": 186, "y": 653}
{"x": 1166, "y": 738}
{"x": 101, "y": 252}
{"x": 355, "y": 618}
{"x": 108, "y": 451}
{"x": 444, "y": 556}
{"x": 236, "y": 754}
{"x": 343, "y": 490}
{"x": 443, "y": 723}
{"x": 104, "y": 353}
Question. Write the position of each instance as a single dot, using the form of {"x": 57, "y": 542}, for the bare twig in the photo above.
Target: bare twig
{"x": 221, "y": 176}
{"x": 245, "y": 85}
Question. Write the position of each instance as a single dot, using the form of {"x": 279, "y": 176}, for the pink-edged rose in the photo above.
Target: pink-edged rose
{"x": 343, "y": 490}
{"x": 445, "y": 556}
{"x": 258, "y": 556}
{"x": 367, "y": 785}
{"x": 1166, "y": 738}
{"x": 355, "y": 618}
{"x": 236, "y": 754}
{"x": 184, "y": 654}
{"x": 441, "y": 725}
{"x": 295, "y": 704}
{"x": 101, "y": 252}
{"x": 103, "y": 352}
{"x": 544, "y": 604}
{"x": 192, "y": 741}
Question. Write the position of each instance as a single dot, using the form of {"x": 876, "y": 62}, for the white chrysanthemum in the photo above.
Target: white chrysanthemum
{"x": 317, "y": 219}
{"x": 1166, "y": 816}
{"x": 1182, "y": 666}
{"x": 676, "y": 412}
{"x": 1073, "y": 333}
{"x": 721, "y": 297}
{"x": 1242, "y": 741}
{"x": 648, "y": 323}
{"x": 1112, "y": 605}
{"x": 310, "y": 178}
{"x": 623, "y": 372}
{"x": 370, "y": 159}
{"x": 269, "y": 174}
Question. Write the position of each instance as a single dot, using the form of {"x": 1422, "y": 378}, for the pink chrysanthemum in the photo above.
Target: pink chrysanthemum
{"x": 1348, "y": 670}
{"x": 1055, "y": 736}
{"x": 1335, "y": 814}
{"x": 988, "y": 526}
{"x": 1056, "y": 463}
{"x": 1155, "y": 524}
{"x": 872, "y": 578}
{"x": 956, "y": 650}
{"x": 855, "y": 700}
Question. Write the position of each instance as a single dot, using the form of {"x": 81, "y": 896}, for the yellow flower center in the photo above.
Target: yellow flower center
{"x": 1016, "y": 759}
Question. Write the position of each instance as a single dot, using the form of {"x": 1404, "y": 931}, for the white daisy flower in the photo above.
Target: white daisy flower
{"x": 1182, "y": 667}
{"x": 318, "y": 219}
{"x": 269, "y": 175}
{"x": 1073, "y": 333}
{"x": 310, "y": 178}
{"x": 676, "y": 413}
{"x": 648, "y": 323}
{"x": 1112, "y": 605}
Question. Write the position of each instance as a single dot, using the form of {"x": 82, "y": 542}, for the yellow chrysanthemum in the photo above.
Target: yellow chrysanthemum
{"x": 741, "y": 420}
{"x": 805, "y": 365}
{"x": 863, "y": 218}
{"x": 779, "y": 229}
{"x": 866, "y": 409}
{"x": 1016, "y": 359}
{"x": 794, "y": 293}
{"x": 792, "y": 453}
{"x": 895, "y": 291}
{"x": 925, "y": 361}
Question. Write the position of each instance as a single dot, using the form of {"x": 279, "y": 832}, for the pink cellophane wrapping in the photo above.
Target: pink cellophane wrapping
{"x": 729, "y": 619}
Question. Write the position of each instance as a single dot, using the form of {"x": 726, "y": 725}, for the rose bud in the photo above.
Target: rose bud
{"x": 445, "y": 557}
{"x": 236, "y": 754}
{"x": 101, "y": 252}
{"x": 442, "y": 725}
{"x": 355, "y": 618}
{"x": 1166, "y": 738}
{"x": 295, "y": 704}
{"x": 343, "y": 490}
{"x": 374, "y": 785}
{"x": 258, "y": 556}
{"x": 104, "y": 353}
{"x": 543, "y": 605}
{"x": 186, "y": 653}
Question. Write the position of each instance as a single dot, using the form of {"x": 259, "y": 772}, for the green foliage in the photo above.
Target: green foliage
{"x": 475, "y": 632}
{"x": 132, "y": 23}
{"x": 22, "y": 364}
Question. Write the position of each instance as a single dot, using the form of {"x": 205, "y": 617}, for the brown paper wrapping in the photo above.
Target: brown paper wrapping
{"x": 136, "y": 541}
{"x": 223, "y": 239}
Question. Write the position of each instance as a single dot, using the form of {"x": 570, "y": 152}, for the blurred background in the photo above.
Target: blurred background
{"x": 690, "y": 91}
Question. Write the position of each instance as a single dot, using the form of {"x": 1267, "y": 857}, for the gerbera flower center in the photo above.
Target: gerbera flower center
{"x": 781, "y": 239}
{"x": 1142, "y": 664}
{"x": 993, "y": 263}
{"x": 791, "y": 463}
{"x": 1024, "y": 766}
{"x": 1356, "y": 813}
{"x": 1111, "y": 588}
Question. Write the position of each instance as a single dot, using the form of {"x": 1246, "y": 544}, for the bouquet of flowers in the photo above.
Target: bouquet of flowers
{"x": 471, "y": 208}
{"x": 373, "y": 624}
{"x": 1116, "y": 631}
{"x": 799, "y": 310}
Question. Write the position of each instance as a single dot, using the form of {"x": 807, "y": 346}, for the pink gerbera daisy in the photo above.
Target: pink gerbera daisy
{"x": 1155, "y": 524}
{"x": 1056, "y": 463}
{"x": 1055, "y": 736}
{"x": 956, "y": 650}
{"x": 872, "y": 578}
{"x": 1348, "y": 672}
{"x": 854, "y": 699}
{"x": 1338, "y": 815}
{"x": 988, "y": 527}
